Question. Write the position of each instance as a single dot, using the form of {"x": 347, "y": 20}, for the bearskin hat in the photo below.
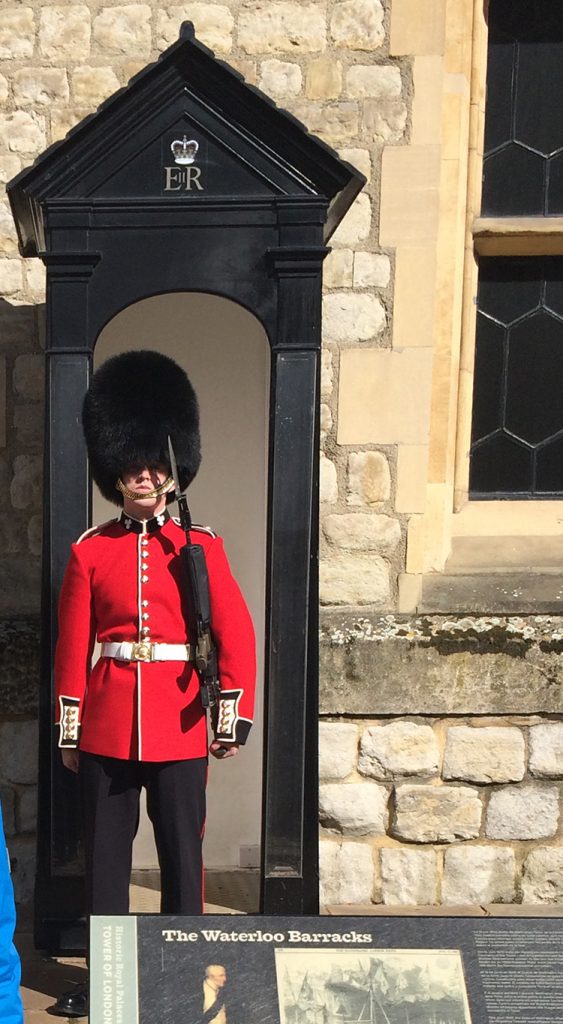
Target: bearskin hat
{"x": 135, "y": 400}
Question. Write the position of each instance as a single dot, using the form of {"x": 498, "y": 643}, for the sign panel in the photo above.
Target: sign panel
{"x": 326, "y": 970}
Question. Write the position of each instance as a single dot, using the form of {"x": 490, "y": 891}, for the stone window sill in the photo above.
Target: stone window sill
{"x": 518, "y": 236}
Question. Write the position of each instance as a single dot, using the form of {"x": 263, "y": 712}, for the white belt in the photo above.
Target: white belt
{"x": 144, "y": 651}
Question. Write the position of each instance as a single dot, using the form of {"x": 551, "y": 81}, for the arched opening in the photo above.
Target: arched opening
{"x": 225, "y": 351}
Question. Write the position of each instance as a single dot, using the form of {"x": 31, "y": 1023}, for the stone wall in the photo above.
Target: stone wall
{"x": 429, "y": 803}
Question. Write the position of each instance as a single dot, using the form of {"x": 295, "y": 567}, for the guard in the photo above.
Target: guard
{"x": 136, "y": 718}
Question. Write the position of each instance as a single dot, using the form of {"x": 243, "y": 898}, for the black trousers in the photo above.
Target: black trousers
{"x": 110, "y": 789}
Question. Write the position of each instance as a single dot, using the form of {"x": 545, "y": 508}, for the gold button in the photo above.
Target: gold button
{"x": 144, "y": 579}
{"x": 145, "y": 604}
{"x": 145, "y": 615}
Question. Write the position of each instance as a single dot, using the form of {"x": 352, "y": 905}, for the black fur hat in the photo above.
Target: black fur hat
{"x": 135, "y": 400}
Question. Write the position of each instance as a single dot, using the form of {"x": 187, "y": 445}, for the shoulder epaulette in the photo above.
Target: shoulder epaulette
{"x": 204, "y": 529}
{"x": 94, "y": 530}
{"x": 197, "y": 526}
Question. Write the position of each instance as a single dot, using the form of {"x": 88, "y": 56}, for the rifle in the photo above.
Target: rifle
{"x": 196, "y": 582}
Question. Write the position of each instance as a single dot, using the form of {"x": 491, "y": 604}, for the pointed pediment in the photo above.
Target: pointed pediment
{"x": 190, "y": 128}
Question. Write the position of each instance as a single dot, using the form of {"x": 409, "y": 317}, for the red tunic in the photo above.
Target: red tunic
{"x": 123, "y": 585}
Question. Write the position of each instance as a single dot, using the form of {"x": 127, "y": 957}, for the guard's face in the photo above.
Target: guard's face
{"x": 143, "y": 480}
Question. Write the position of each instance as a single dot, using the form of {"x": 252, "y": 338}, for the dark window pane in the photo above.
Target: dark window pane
{"x": 534, "y": 402}
{"x": 500, "y": 466}
{"x": 489, "y": 361}
{"x": 539, "y": 115}
{"x": 509, "y": 288}
{"x": 549, "y": 467}
{"x": 500, "y": 74}
{"x": 555, "y": 185}
{"x": 518, "y": 384}
{"x": 514, "y": 182}
{"x": 524, "y": 82}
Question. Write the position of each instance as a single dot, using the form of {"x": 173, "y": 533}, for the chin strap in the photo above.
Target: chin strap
{"x": 139, "y": 495}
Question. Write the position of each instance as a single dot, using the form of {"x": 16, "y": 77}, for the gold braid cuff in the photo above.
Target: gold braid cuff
{"x": 139, "y": 495}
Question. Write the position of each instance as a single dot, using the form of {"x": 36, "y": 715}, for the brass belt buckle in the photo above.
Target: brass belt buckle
{"x": 141, "y": 651}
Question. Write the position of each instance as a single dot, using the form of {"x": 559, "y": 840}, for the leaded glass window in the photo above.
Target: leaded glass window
{"x": 517, "y": 426}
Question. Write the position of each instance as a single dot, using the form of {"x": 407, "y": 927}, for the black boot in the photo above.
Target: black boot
{"x": 73, "y": 1003}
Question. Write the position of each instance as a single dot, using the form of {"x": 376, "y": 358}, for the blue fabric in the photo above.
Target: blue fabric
{"x": 11, "y": 1010}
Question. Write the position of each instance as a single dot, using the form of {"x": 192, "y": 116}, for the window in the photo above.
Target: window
{"x": 517, "y": 426}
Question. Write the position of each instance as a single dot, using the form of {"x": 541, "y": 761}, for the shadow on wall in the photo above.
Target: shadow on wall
{"x": 21, "y": 457}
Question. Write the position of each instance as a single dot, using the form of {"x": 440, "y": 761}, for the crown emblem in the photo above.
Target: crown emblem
{"x": 185, "y": 150}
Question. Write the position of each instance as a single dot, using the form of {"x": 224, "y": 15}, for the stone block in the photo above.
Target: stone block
{"x": 346, "y": 873}
{"x": 371, "y": 270}
{"x": 41, "y": 86}
{"x": 64, "y": 32}
{"x": 410, "y": 179}
{"x": 17, "y": 33}
{"x": 326, "y": 373}
{"x": 351, "y": 317}
{"x": 247, "y": 68}
{"x": 363, "y": 531}
{"x": 357, "y": 24}
{"x": 436, "y": 814}
{"x": 479, "y": 874}
{"x": 415, "y": 296}
{"x": 8, "y": 236}
{"x": 29, "y": 424}
{"x": 355, "y": 580}
{"x": 213, "y": 24}
{"x": 338, "y": 269}
{"x": 19, "y": 644}
{"x": 542, "y": 880}
{"x": 409, "y": 877}
{"x": 436, "y": 665}
{"x": 384, "y": 396}
{"x": 334, "y": 122}
{"x": 326, "y": 419}
{"x": 11, "y": 277}
{"x": 324, "y": 79}
{"x": 35, "y": 279}
{"x": 427, "y": 105}
{"x": 124, "y": 29}
{"x": 484, "y": 754}
{"x": 355, "y": 227}
{"x": 3, "y": 89}
{"x": 412, "y": 476}
{"x": 328, "y": 484}
{"x": 355, "y": 808}
{"x": 18, "y": 752}
{"x": 400, "y": 748}
{"x": 22, "y": 857}
{"x": 63, "y": 120}
{"x": 280, "y": 78}
{"x": 359, "y": 158}
{"x": 270, "y": 27}
{"x": 26, "y": 812}
{"x": 10, "y": 165}
{"x": 546, "y": 750}
{"x": 384, "y": 121}
{"x": 22, "y": 132}
{"x": 27, "y": 481}
{"x": 411, "y": 34}
{"x": 8, "y": 798}
{"x": 35, "y": 535}
{"x": 379, "y": 81}
{"x": 91, "y": 86}
{"x": 23, "y": 596}
{"x": 523, "y": 812}
{"x": 13, "y": 535}
{"x": 338, "y": 750}
{"x": 369, "y": 478}
{"x": 29, "y": 376}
